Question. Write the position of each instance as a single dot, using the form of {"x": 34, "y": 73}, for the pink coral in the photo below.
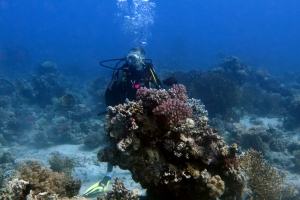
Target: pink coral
{"x": 178, "y": 92}
{"x": 169, "y": 107}
{"x": 152, "y": 97}
{"x": 174, "y": 110}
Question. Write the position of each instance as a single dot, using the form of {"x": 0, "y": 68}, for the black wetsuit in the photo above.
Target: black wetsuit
{"x": 125, "y": 85}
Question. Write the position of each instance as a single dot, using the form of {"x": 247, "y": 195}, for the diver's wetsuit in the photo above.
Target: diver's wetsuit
{"x": 125, "y": 85}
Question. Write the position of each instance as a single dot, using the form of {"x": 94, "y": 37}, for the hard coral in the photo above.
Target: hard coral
{"x": 168, "y": 159}
{"x": 264, "y": 181}
{"x": 15, "y": 189}
{"x": 60, "y": 163}
{"x": 216, "y": 186}
{"x": 119, "y": 191}
{"x": 72, "y": 187}
{"x": 44, "y": 182}
{"x": 239, "y": 70}
{"x": 174, "y": 111}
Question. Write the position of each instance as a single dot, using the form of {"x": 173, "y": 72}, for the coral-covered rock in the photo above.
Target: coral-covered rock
{"x": 61, "y": 163}
{"x": 46, "y": 85}
{"x": 72, "y": 187}
{"x": 164, "y": 156}
{"x": 119, "y": 191}
{"x": 235, "y": 67}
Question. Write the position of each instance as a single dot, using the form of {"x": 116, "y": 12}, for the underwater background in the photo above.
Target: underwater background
{"x": 240, "y": 58}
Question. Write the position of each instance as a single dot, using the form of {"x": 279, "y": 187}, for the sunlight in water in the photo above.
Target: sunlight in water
{"x": 136, "y": 17}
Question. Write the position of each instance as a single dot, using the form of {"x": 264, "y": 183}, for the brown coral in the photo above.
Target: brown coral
{"x": 216, "y": 186}
{"x": 43, "y": 182}
{"x": 264, "y": 180}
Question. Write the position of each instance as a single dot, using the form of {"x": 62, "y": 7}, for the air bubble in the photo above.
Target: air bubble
{"x": 136, "y": 18}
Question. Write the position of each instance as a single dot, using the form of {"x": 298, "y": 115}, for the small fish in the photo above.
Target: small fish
{"x": 170, "y": 81}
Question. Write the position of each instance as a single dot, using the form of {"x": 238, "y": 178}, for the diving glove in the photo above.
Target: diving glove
{"x": 99, "y": 187}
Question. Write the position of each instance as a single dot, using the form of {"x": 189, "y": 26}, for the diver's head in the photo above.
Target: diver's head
{"x": 135, "y": 58}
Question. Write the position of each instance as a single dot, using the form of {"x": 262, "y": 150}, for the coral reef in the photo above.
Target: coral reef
{"x": 119, "y": 191}
{"x": 15, "y": 189}
{"x": 218, "y": 90}
{"x": 44, "y": 179}
{"x": 258, "y": 137}
{"x": 216, "y": 186}
{"x": 264, "y": 180}
{"x": 68, "y": 100}
{"x": 33, "y": 181}
{"x": 169, "y": 150}
{"x": 239, "y": 70}
{"x": 43, "y": 86}
{"x": 72, "y": 187}
{"x": 60, "y": 163}
{"x": 80, "y": 112}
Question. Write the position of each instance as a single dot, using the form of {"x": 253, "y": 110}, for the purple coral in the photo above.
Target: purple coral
{"x": 178, "y": 92}
{"x": 174, "y": 110}
{"x": 169, "y": 107}
{"x": 151, "y": 97}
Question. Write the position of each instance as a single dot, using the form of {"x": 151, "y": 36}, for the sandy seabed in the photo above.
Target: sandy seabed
{"x": 88, "y": 169}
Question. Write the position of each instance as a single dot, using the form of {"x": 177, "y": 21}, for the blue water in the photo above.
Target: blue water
{"x": 40, "y": 108}
{"x": 262, "y": 33}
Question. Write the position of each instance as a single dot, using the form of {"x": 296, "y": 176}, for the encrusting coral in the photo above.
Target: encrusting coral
{"x": 174, "y": 155}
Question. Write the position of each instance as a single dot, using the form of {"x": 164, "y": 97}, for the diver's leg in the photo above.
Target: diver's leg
{"x": 108, "y": 175}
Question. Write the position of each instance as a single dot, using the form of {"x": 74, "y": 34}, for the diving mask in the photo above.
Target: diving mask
{"x": 135, "y": 60}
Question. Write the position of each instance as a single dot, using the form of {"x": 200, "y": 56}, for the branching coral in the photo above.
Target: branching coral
{"x": 174, "y": 110}
{"x": 44, "y": 179}
{"x": 61, "y": 163}
{"x": 264, "y": 180}
{"x": 39, "y": 183}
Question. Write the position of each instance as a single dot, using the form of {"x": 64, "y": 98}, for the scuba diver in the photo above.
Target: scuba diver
{"x": 135, "y": 73}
